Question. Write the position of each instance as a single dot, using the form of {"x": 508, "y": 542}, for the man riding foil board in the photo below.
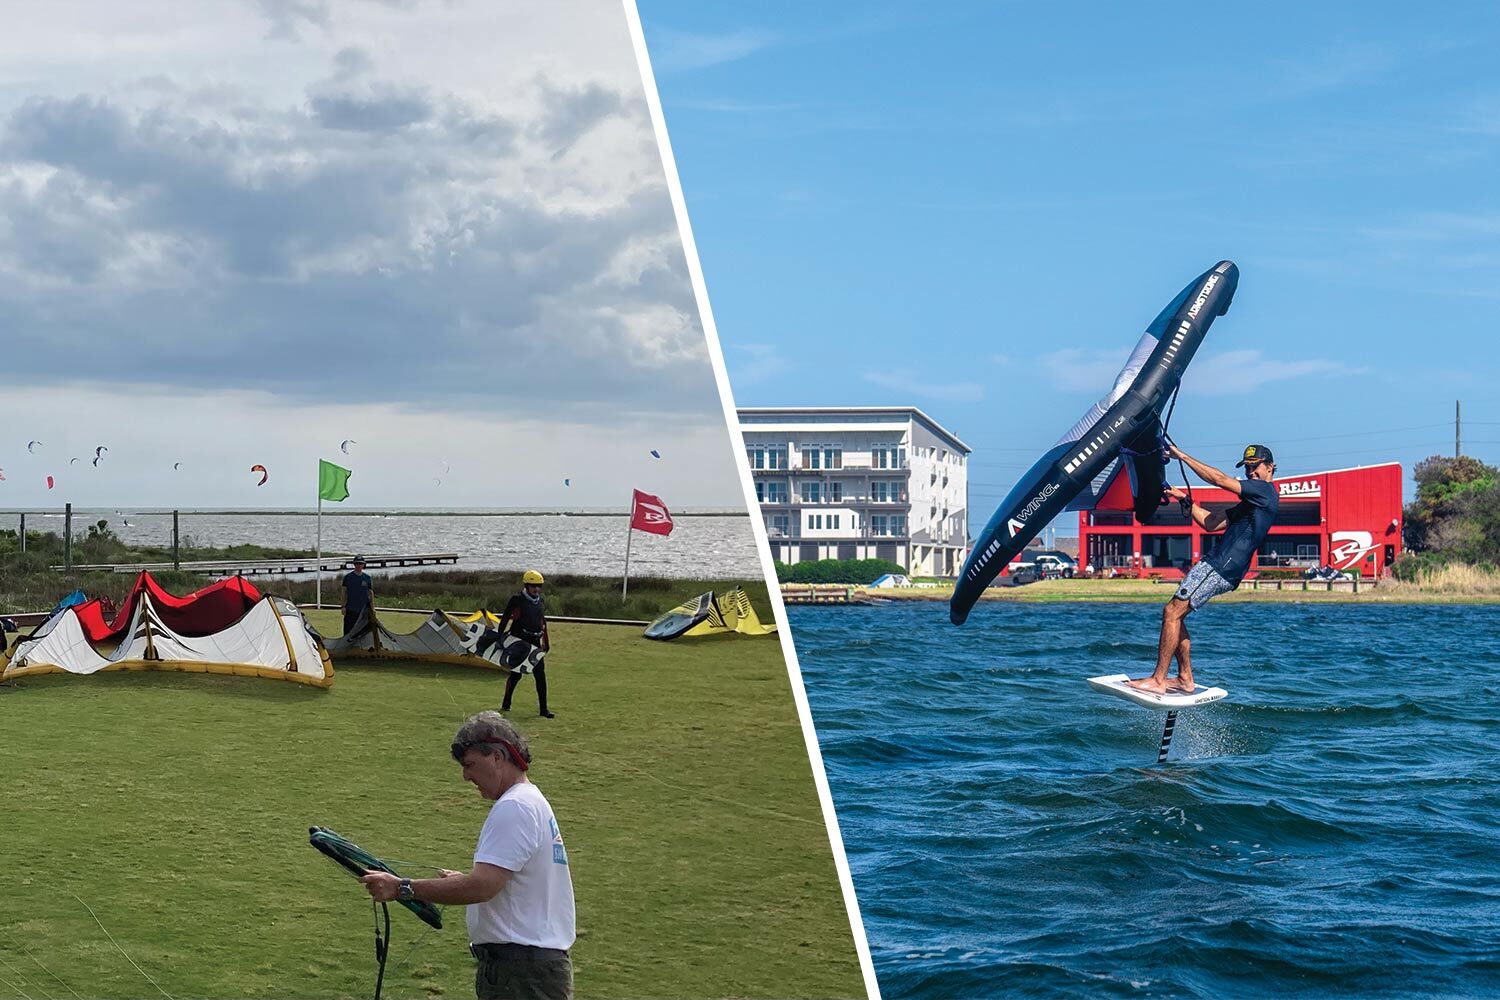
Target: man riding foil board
{"x": 1244, "y": 525}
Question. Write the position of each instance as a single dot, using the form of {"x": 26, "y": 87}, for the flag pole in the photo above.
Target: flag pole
{"x": 629, "y": 534}
{"x": 318, "y": 570}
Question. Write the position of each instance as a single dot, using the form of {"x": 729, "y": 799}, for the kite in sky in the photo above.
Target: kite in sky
{"x": 32, "y": 446}
{"x": 264, "y": 475}
{"x": 344, "y": 446}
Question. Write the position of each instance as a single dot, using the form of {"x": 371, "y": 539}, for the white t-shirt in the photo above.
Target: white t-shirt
{"x": 536, "y": 906}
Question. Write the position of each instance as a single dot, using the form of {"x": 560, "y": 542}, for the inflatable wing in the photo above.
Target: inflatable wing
{"x": 1119, "y": 433}
{"x": 710, "y": 614}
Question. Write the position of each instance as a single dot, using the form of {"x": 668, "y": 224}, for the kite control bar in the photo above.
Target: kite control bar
{"x": 357, "y": 862}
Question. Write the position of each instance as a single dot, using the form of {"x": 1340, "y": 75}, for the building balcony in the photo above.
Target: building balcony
{"x": 893, "y": 506}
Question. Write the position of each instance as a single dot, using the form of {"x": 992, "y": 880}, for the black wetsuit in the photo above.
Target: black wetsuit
{"x": 1249, "y": 521}
{"x": 526, "y": 619}
{"x": 359, "y": 588}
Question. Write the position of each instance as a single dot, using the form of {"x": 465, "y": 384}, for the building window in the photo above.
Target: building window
{"x": 811, "y": 457}
{"x": 835, "y": 492}
{"x": 833, "y": 458}
{"x": 898, "y": 524}
{"x": 877, "y": 524}
{"x": 780, "y": 525}
{"x": 760, "y": 492}
{"x": 775, "y": 492}
{"x": 1299, "y": 512}
{"x": 757, "y": 457}
{"x": 833, "y": 521}
{"x": 1286, "y": 550}
{"x": 812, "y": 492}
{"x": 776, "y": 458}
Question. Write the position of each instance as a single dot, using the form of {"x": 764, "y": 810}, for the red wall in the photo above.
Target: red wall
{"x": 1360, "y": 520}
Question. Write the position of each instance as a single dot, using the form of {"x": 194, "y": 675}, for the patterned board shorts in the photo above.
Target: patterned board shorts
{"x": 1202, "y": 584}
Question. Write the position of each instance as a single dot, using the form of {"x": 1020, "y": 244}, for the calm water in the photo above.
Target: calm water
{"x": 1333, "y": 828}
{"x": 700, "y": 547}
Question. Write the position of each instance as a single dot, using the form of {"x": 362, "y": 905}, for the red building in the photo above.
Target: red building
{"x": 1346, "y": 518}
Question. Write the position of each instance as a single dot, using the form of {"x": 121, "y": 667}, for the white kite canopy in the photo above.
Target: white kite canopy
{"x": 439, "y": 639}
{"x": 271, "y": 639}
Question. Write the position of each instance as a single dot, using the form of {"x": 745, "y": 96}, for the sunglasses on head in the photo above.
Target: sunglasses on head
{"x": 459, "y": 749}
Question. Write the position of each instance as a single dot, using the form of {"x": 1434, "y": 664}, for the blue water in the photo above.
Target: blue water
{"x": 1332, "y": 828}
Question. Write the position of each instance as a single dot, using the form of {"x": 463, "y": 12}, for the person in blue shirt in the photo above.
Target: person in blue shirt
{"x": 359, "y": 593}
{"x": 1245, "y": 526}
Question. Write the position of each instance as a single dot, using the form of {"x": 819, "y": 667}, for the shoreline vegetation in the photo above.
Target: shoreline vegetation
{"x": 29, "y": 586}
{"x": 1453, "y": 583}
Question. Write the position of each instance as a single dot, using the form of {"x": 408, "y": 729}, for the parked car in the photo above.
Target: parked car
{"x": 1053, "y": 565}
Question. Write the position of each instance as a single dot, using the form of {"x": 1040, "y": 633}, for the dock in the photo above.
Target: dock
{"x": 823, "y": 593}
{"x": 1349, "y": 585}
{"x": 277, "y": 567}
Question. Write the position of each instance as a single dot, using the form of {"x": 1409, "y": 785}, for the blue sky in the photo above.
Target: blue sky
{"x": 976, "y": 208}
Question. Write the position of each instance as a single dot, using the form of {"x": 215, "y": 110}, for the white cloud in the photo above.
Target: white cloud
{"x": 919, "y": 387}
{"x": 519, "y": 459}
{"x": 436, "y": 209}
{"x": 674, "y": 51}
{"x": 1237, "y": 373}
{"x": 763, "y": 362}
{"x": 1087, "y": 370}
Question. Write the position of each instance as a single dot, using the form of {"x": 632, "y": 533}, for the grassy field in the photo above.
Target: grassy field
{"x": 177, "y": 806}
{"x": 1460, "y": 586}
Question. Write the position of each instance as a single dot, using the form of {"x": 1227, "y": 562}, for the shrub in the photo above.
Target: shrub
{"x": 837, "y": 571}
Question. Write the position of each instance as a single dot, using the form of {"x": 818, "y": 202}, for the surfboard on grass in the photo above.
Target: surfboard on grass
{"x": 1173, "y": 701}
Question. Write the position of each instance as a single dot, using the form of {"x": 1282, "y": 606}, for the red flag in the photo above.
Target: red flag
{"x": 648, "y": 513}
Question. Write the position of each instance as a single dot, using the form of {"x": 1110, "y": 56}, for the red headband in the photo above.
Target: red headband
{"x": 512, "y": 752}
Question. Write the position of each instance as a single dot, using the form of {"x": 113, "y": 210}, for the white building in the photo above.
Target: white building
{"x": 860, "y": 483}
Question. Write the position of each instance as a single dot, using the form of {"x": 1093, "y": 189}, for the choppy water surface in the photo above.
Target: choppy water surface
{"x": 700, "y": 547}
{"x": 1332, "y": 828}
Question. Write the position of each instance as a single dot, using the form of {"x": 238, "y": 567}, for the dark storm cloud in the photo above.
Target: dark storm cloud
{"x": 378, "y": 242}
{"x": 572, "y": 113}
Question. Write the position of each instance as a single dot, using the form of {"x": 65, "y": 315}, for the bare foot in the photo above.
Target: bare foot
{"x": 1148, "y": 684}
{"x": 1181, "y": 686}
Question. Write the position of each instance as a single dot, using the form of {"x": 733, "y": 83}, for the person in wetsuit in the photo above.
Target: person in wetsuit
{"x": 359, "y": 594}
{"x": 1245, "y": 526}
{"x": 526, "y": 618}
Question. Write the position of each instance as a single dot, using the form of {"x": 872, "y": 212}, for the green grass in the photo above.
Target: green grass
{"x": 177, "y": 807}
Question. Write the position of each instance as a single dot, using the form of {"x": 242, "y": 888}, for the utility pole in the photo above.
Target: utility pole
{"x": 1457, "y": 427}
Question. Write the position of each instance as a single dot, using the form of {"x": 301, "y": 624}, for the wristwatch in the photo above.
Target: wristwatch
{"x": 405, "y": 893}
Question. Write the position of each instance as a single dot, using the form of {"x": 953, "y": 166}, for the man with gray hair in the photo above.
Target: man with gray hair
{"x": 519, "y": 893}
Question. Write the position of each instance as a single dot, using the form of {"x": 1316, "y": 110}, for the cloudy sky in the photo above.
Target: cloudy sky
{"x": 242, "y": 231}
{"x": 976, "y": 207}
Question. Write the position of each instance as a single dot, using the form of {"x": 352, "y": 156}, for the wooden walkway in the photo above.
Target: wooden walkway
{"x": 823, "y": 593}
{"x": 279, "y": 567}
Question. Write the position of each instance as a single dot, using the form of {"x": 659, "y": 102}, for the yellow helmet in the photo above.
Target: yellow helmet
{"x": 532, "y": 576}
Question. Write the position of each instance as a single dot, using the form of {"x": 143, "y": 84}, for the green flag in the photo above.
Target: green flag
{"x": 333, "y": 481}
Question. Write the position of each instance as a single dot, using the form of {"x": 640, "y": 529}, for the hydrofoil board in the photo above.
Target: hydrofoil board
{"x": 1174, "y": 701}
